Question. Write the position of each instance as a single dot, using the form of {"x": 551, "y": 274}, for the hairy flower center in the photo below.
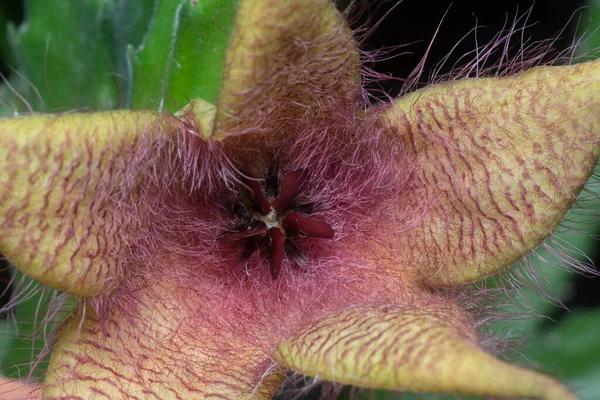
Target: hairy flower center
{"x": 275, "y": 222}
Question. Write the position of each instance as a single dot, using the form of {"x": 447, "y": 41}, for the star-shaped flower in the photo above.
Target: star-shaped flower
{"x": 290, "y": 226}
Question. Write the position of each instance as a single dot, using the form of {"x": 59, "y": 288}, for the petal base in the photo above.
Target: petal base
{"x": 156, "y": 354}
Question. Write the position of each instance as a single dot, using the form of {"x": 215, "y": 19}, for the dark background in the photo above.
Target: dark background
{"x": 414, "y": 23}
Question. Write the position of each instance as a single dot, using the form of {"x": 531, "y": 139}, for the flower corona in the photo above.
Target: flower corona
{"x": 271, "y": 220}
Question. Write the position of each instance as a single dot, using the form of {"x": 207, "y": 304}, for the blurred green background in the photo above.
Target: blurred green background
{"x": 57, "y": 55}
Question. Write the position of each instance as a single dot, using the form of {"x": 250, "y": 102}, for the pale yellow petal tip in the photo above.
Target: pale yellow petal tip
{"x": 482, "y": 374}
{"x": 58, "y": 222}
{"x": 555, "y": 391}
{"x": 410, "y": 350}
{"x": 497, "y": 164}
{"x": 285, "y": 60}
{"x": 577, "y": 85}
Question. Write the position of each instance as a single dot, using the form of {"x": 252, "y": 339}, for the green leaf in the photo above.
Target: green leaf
{"x": 182, "y": 56}
{"x": 588, "y": 31}
{"x": 26, "y": 337}
{"x": 129, "y": 25}
{"x": 5, "y": 54}
{"x": 571, "y": 352}
{"x": 65, "y": 52}
{"x": 73, "y": 54}
{"x": 12, "y": 92}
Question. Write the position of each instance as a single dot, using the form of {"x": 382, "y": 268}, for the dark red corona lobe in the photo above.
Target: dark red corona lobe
{"x": 276, "y": 219}
{"x": 295, "y": 222}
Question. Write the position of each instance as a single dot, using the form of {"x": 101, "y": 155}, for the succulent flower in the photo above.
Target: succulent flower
{"x": 290, "y": 226}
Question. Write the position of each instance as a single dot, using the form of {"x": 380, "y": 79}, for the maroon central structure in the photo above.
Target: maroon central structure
{"x": 275, "y": 219}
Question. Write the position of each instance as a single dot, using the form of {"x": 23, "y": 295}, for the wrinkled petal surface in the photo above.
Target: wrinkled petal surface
{"x": 286, "y": 61}
{"x": 57, "y": 217}
{"x": 424, "y": 348}
{"x": 156, "y": 353}
{"x": 497, "y": 162}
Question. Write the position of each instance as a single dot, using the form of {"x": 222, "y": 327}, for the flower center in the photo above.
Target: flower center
{"x": 275, "y": 222}
{"x": 271, "y": 220}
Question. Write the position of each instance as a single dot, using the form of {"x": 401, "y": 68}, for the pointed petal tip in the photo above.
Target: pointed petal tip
{"x": 289, "y": 60}
{"x": 56, "y": 221}
{"x": 497, "y": 164}
{"x": 409, "y": 350}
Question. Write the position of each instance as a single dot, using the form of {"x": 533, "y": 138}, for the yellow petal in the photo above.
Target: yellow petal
{"x": 422, "y": 349}
{"x": 162, "y": 351}
{"x": 497, "y": 162}
{"x": 58, "y": 179}
{"x": 286, "y": 60}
